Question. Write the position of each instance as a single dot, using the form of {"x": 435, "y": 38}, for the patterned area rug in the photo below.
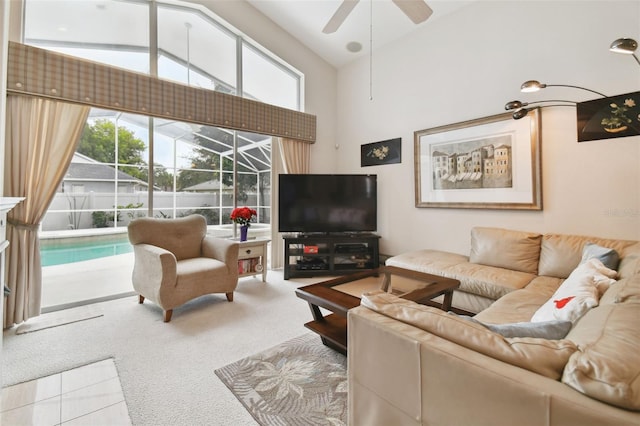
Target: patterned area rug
{"x": 299, "y": 382}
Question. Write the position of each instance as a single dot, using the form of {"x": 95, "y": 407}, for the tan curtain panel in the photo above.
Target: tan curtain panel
{"x": 288, "y": 157}
{"x": 43, "y": 73}
{"x": 41, "y": 137}
{"x": 295, "y": 156}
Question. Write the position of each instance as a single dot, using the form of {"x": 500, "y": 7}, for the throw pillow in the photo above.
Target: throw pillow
{"x": 578, "y": 293}
{"x": 608, "y": 256}
{"x": 550, "y": 330}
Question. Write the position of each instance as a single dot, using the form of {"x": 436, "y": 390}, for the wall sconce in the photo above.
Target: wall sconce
{"x": 626, "y": 46}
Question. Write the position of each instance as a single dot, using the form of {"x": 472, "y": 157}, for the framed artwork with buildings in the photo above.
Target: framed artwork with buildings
{"x": 486, "y": 163}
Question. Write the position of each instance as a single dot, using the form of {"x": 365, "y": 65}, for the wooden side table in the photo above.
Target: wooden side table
{"x": 252, "y": 258}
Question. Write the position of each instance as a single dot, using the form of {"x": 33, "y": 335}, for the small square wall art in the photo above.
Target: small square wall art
{"x": 383, "y": 152}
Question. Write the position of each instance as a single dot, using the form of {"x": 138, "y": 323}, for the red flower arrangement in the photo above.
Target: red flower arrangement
{"x": 243, "y": 215}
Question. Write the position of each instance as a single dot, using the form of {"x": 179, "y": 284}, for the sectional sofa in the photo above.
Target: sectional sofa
{"x": 579, "y": 295}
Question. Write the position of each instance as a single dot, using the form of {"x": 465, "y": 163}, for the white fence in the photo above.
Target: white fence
{"x": 70, "y": 211}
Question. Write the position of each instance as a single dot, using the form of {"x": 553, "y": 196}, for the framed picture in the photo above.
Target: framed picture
{"x": 606, "y": 118}
{"x": 487, "y": 163}
{"x": 383, "y": 152}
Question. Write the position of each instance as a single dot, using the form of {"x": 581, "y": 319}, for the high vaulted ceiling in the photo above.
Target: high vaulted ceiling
{"x": 305, "y": 19}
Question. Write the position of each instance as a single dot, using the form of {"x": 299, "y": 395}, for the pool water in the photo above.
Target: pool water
{"x": 77, "y": 251}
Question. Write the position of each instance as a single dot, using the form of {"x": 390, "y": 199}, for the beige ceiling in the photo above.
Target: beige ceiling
{"x": 305, "y": 19}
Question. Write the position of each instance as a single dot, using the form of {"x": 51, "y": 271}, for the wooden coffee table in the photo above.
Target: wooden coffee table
{"x": 341, "y": 294}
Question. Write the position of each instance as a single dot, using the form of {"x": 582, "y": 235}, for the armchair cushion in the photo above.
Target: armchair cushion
{"x": 182, "y": 236}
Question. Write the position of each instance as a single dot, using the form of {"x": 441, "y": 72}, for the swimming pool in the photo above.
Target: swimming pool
{"x": 70, "y": 250}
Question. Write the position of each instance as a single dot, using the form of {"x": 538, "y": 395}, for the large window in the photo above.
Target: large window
{"x": 130, "y": 165}
{"x": 111, "y": 32}
{"x": 194, "y": 168}
{"x": 194, "y": 49}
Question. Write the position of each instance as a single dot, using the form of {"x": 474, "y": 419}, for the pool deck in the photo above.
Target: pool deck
{"x": 71, "y": 284}
{"x": 79, "y": 283}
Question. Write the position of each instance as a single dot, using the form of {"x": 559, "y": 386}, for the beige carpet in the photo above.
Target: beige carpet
{"x": 300, "y": 381}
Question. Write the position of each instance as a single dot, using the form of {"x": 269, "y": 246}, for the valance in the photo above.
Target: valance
{"x": 44, "y": 73}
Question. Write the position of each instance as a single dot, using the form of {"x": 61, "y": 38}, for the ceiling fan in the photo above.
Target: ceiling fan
{"x": 417, "y": 10}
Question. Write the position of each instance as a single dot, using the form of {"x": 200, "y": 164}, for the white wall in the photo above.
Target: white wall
{"x": 467, "y": 65}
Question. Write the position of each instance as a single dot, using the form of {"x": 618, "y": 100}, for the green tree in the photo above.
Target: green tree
{"x": 206, "y": 158}
{"x": 162, "y": 178}
{"x": 98, "y": 143}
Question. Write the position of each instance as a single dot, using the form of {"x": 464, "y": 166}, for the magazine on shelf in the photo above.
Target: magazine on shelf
{"x": 248, "y": 265}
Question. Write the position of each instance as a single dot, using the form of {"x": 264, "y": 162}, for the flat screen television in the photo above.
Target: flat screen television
{"x": 318, "y": 203}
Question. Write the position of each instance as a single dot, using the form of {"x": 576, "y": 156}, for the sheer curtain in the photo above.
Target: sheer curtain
{"x": 289, "y": 157}
{"x": 41, "y": 137}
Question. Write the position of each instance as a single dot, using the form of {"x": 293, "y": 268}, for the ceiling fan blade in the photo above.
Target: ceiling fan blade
{"x": 417, "y": 10}
{"x": 341, "y": 14}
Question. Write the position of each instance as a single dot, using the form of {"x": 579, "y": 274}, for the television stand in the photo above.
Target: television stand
{"x": 327, "y": 254}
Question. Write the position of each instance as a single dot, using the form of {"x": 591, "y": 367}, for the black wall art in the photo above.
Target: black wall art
{"x": 383, "y": 152}
{"x": 606, "y": 118}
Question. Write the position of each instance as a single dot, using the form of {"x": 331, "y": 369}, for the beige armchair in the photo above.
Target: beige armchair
{"x": 175, "y": 261}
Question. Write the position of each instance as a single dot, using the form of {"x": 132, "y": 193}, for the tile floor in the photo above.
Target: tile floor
{"x": 88, "y": 395}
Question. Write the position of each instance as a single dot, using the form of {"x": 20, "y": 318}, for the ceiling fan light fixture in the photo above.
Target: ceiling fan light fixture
{"x": 624, "y": 45}
{"x": 354, "y": 46}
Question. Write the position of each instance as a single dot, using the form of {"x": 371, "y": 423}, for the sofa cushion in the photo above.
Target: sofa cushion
{"x": 517, "y": 306}
{"x": 630, "y": 261}
{"x": 488, "y": 281}
{"x": 626, "y": 290}
{"x": 578, "y": 293}
{"x": 504, "y": 248}
{"x": 608, "y": 256}
{"x": 560, "y": 253}
{"x": 428, "y": 261}
{"x": 546, "y": 357}
{"x": 607, "y": 365}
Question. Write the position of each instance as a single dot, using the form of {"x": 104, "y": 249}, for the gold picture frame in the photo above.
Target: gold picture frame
{"x": 486, "y": 163}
